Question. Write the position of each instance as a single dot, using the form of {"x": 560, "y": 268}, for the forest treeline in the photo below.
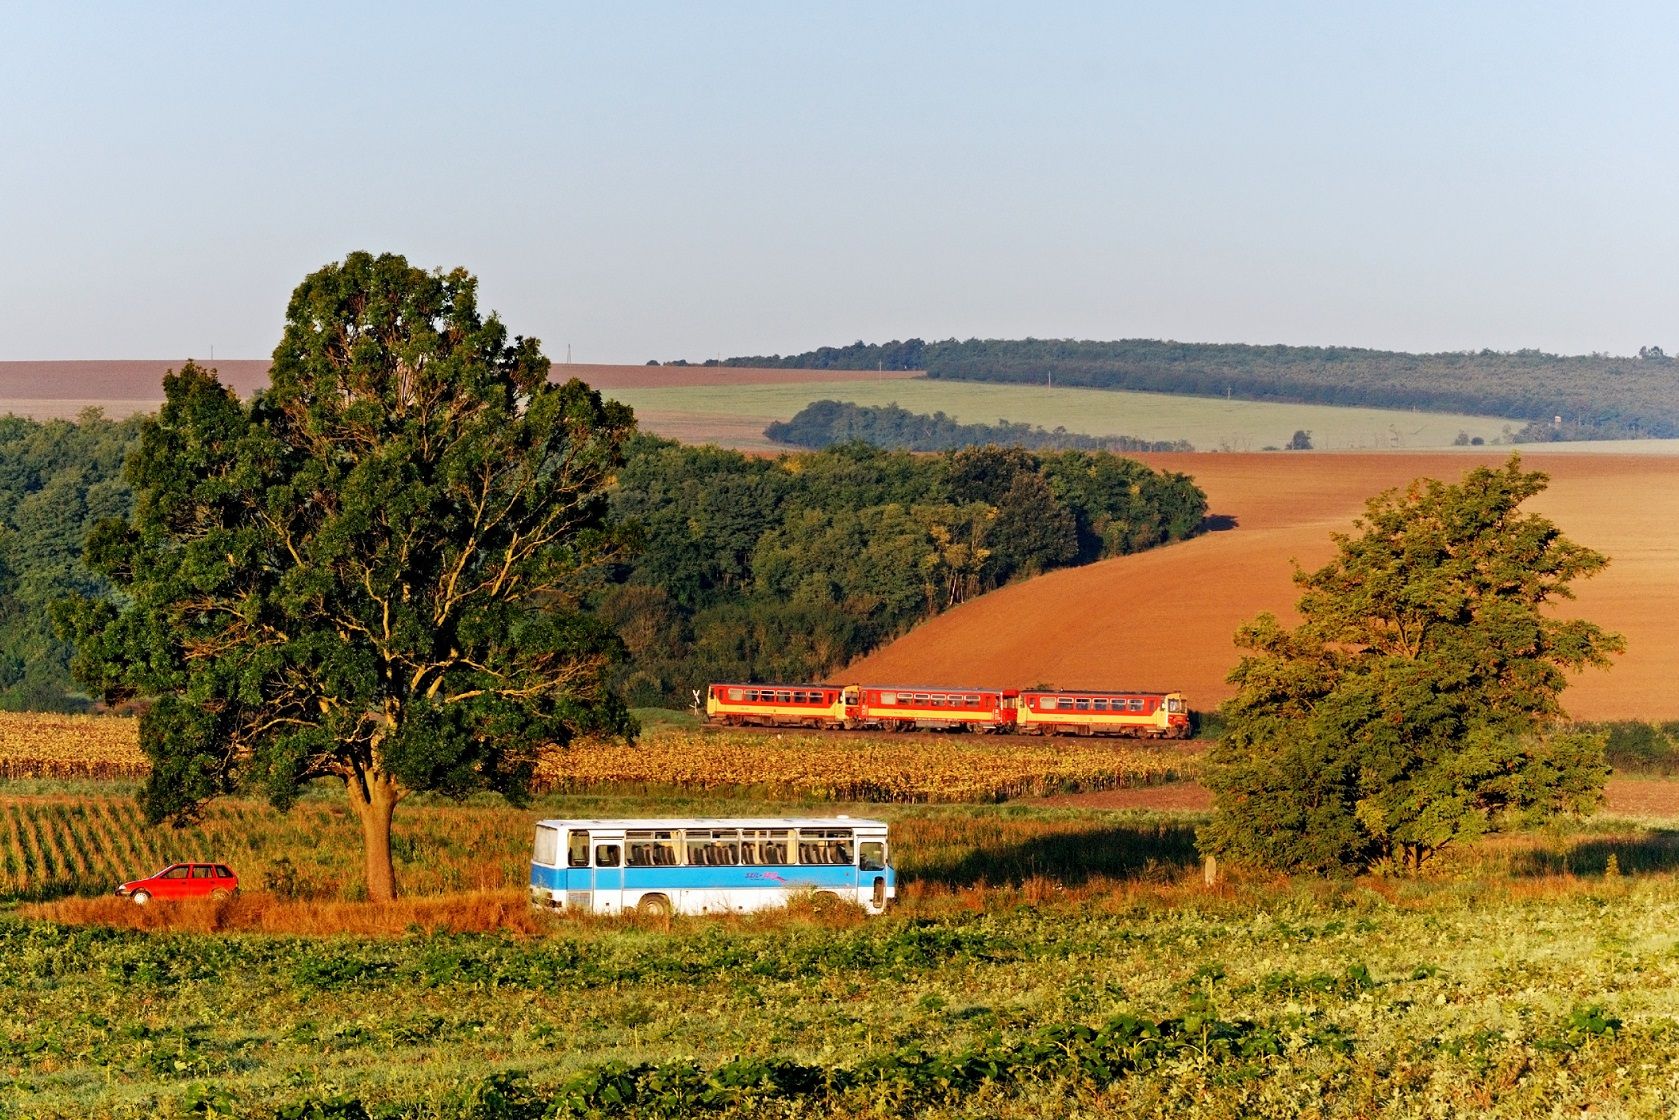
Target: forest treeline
{"x": 824, "y": 423}
{"x": 56, "y": 480}
{"x": 788, "y": 568}
{"x": 1562, "y": 397}
{"x": 745, "y": 568}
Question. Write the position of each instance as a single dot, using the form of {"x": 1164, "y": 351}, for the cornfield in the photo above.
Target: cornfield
{"x": 857, "y": 768}
{"x": 42, "y": 745}
{"x": 794, "y": 765}
{"x": 52, "y": 845}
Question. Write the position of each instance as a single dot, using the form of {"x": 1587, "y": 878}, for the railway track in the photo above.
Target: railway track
{"x": 930, "y": 735}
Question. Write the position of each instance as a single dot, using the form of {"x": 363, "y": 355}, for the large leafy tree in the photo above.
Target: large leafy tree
{"x": 372, "y": 571}
{"x": 1417, "y": 703}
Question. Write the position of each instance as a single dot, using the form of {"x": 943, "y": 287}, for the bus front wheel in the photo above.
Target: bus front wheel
{"x": 653, "y": 906}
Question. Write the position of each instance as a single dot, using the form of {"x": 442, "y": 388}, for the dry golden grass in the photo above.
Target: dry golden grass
{"x": 502, "y": 911}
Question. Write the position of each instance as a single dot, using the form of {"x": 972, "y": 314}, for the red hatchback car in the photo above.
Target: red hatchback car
{"x": 183, "y": 880}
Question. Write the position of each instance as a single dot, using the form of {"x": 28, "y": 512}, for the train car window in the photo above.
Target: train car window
{"x": 751, "y": 696}
{"x": 784, "y": 697}
{"x": 1082, "y": 703}
{"x": 1065, "y": 703}
{"x": 1099, "y": 705}
{"x": 921, "y": 698}
{"x": 1135, "y": 704}
{"x": 888, "y": 698}
{"x": 734, "y": 695}
{"x": 970, "y": 701}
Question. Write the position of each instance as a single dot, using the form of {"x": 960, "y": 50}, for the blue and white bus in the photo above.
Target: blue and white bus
{"x": 709, "y": 866}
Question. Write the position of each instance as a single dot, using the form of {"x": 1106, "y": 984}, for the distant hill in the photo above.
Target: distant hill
{"x": 1563, "y": 397}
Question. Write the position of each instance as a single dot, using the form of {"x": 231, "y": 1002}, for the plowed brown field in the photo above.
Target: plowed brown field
{"x": 1164, "y": 619}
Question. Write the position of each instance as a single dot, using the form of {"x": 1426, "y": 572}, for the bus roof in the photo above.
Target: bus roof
{"x": 715, "y": 822}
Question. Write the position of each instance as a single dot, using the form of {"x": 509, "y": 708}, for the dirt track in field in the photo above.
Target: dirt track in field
{"x": 1164, "y": 619}
{"x": 49, "y": 390}
{"x": 1623, "y": 797}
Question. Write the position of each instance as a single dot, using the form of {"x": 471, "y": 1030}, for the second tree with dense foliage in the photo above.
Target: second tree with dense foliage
{"x": 1417, "y": 703}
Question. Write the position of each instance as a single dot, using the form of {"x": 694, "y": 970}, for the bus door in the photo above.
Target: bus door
{"x": 609, "y": 874}
{"x": 579, "y": 879}
{"x": 872, "y": 883}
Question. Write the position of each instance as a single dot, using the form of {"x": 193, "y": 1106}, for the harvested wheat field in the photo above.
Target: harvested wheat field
{"x": 1164, "y": 619}
{"x": 122, "y": 388}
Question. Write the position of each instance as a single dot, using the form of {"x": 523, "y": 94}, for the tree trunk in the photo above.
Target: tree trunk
{"x": 374, "y": 796}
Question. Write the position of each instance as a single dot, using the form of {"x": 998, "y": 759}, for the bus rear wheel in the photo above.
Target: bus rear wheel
{"x": 653, "y": 906}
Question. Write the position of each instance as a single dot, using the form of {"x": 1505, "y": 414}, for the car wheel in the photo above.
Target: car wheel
{"x": 142, "y": 897}
{"x": 653, "y": 906}
{"x": 219, "y": 893}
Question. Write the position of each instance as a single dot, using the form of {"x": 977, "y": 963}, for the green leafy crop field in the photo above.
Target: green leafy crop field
{"x": 1042, "y": 962}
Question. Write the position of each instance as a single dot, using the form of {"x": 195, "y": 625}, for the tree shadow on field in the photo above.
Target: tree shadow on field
{"x": 1218, "y": 523}
{"x": 1657, "y": 850}
{"x": 1070, "y": 858}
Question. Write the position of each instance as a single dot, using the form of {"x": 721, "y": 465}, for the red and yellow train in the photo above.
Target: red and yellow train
{"x": 1031, "y": 711}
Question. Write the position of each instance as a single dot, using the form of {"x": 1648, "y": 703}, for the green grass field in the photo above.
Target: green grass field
{"x": 1041, "y": 963}
{"x": 1210, "y": 425}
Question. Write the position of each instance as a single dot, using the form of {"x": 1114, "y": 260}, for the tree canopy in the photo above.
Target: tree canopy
{"x": 370, "y": 572}
{"x": 825, "y": 423}
{"x": 57, "y": 480}
{"x": 1417, "y": 703}
{"x": 787, "y": 568}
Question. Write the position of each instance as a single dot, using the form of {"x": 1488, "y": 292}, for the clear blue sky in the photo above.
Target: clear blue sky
{"x": 687, "y": 180}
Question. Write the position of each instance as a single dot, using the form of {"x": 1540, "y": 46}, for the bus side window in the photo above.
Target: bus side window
{"x": 577, "y": 849}
{"x": 651, "y": 849}
{"x": 773, "y": 849}
{"x": 547, "y": 846}
{"x": 871, "y": 855}
{"x": 606, "y": 855}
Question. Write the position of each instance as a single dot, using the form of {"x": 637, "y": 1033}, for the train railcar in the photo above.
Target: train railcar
{"x": 780, "y": 705}
{"x": 934, "y": 709}
{"x": 1153, "y": 715}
